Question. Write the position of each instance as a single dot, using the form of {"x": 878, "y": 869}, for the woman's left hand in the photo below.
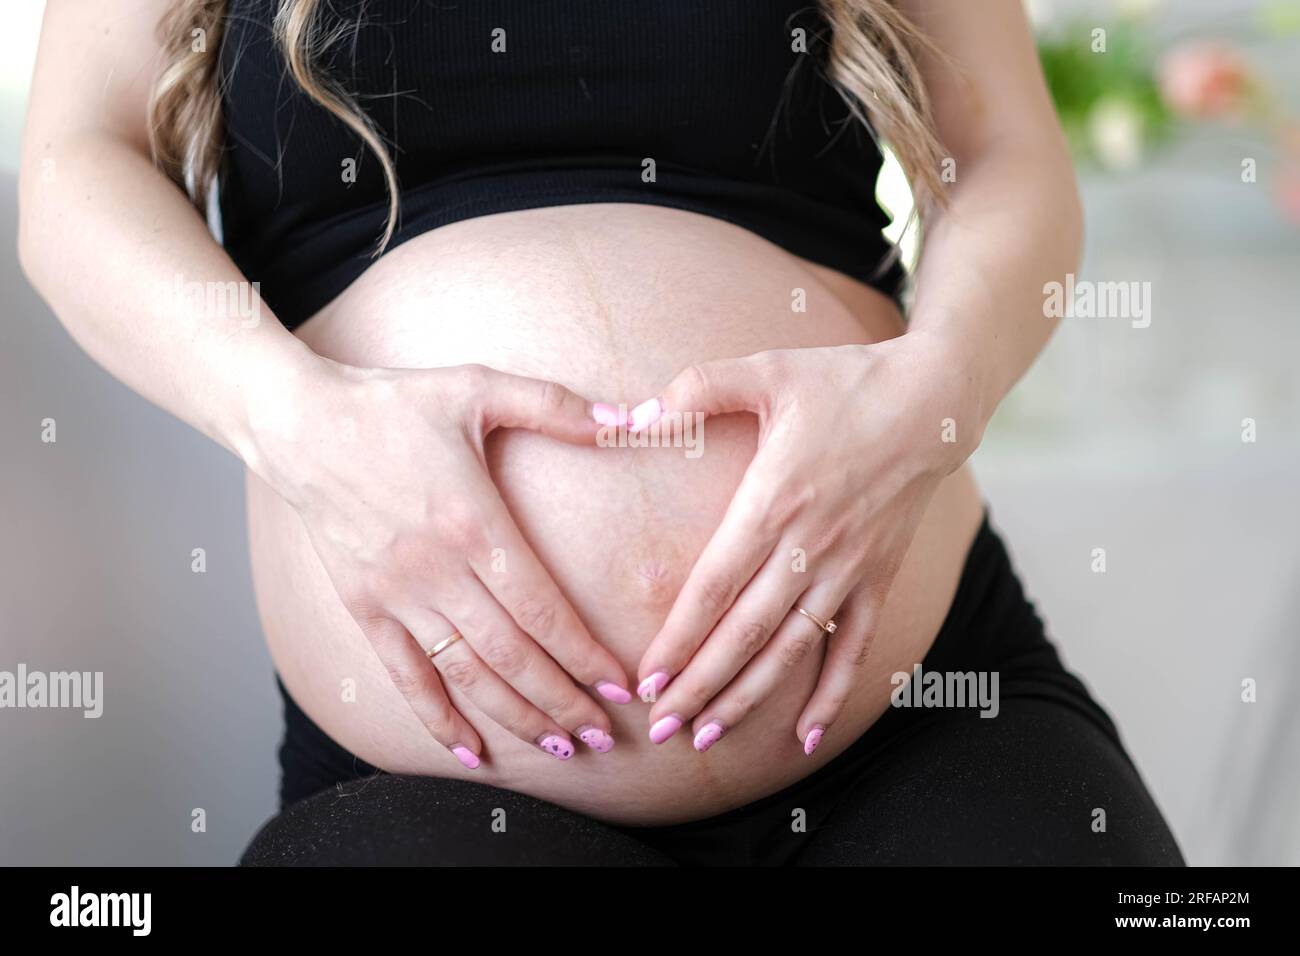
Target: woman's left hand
{"x": 853, "y": 441}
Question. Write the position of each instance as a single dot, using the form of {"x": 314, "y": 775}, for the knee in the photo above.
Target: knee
{"x": 1037, "y": 785}
{"x": 391, "y": 820}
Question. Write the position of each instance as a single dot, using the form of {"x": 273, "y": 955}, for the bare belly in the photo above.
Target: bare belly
{"x": 611, "y": 300}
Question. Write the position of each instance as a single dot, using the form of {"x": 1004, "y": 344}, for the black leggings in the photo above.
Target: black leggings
{"x": 1046, "y": 781}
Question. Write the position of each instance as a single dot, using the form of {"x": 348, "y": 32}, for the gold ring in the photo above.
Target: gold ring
{"x": 445, "y": 643}
{"x": 828, "y": 626}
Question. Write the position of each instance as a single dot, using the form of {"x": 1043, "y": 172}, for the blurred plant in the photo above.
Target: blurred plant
{"x": 1109, "y": 102}
{"x": 1118, "y": 100}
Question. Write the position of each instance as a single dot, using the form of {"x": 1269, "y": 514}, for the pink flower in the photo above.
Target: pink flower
{"x": 1288, "y": 192}
{"x": 1204, "y": 80}
{"x": 1288, "y": 138}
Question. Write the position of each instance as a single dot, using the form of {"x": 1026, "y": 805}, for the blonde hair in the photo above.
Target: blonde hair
{"x": 873, "y": 63}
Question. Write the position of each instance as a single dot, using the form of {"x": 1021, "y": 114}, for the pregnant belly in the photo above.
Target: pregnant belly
{"x": 612, "y": 301}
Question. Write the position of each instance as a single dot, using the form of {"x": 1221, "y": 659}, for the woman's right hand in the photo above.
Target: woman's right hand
{"x": 386, "y": 468}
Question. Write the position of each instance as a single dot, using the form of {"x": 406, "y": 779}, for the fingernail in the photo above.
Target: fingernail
{"x": 650, "y": 688}
{"x": 645, "y": 415}
{"x": 709, "y": 735}
{"x": 466, "y": 756}
{"x": 813, "y": 739}
{"x": 557, "y": 747}
{"x": 664, "y": 728}
{"x": 597, "y": 740}
{"x": 618, "y": 695}
{"x": 606, "y": 415}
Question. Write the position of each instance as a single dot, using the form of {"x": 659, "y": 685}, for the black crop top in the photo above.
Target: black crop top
{"x": 740, "y": 127}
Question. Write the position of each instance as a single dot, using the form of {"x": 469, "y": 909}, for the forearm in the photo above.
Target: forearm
{"x": 108, "y": 242}
{"x": 1013, "y": 224}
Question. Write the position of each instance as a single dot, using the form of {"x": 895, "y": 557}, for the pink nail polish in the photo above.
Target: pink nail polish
{"x": 556, "y": 746}
{"x": 650, "y": 688}
{"x": 613, "y": 692}
{"x": 709, "y": 735}
{"x": 466, "y": 756}
{"x": 645, "y": 415}
{"x": 597, "y": 740}
{"x": 664, "y": 728}
{"x": 607, "y": 415}
{"x": 813, "y": 739}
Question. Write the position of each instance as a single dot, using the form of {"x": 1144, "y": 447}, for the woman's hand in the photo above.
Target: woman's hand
{"x": 387, "y": 469}
{"x": 853, "y": 441}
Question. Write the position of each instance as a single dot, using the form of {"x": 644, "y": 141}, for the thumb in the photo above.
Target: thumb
{"x": 712, "y": 388}
{"x": 516, "y": 401}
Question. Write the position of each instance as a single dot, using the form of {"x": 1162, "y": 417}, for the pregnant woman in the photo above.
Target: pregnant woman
{"x": 600, "y": 497}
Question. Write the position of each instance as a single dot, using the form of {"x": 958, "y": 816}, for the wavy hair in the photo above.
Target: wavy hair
{"x": 873, "y": 63}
